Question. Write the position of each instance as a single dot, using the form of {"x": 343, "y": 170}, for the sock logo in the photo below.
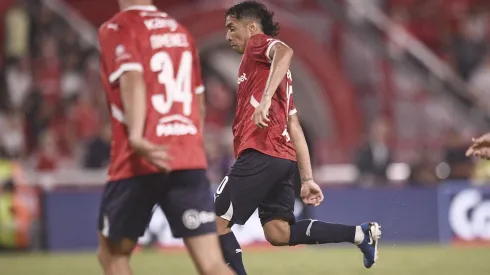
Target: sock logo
{"x": 238, "y": 250}
{"x": 370, "y": 242}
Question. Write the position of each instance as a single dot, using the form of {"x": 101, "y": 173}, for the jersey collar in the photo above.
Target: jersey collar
{"x": 142, "y": 8}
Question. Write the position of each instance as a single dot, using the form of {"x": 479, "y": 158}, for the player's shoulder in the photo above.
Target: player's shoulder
{"x": 120, "y": 21}
{"x": 116, "y": 23}
{"x": 260, "y": 40}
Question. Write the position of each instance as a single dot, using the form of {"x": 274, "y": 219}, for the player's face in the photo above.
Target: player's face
{"x": 237, "y": 34}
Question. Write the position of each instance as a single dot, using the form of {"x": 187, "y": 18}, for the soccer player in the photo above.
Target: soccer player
{"x": 152, "y": 78}
{"x": 480, "y": 147}
{"x": 268, "y": 142}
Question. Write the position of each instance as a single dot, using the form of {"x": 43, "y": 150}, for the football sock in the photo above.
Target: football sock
{"x": 232, "y": 252}
{"x": 359, "y": 237}
{"x": 318, "y": 232}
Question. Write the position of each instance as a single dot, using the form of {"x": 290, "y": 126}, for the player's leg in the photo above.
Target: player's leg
{"x": 281, "y": 229}
{"x": 225, "y": 210}
{"x": 231, "y": 249}
{"x": 114, "y": 256}
{"x": 188, "y": 206}
{"x": 240, "y": 193}
{"x": 125, "y": 211}
{"x": 206, "y": 254}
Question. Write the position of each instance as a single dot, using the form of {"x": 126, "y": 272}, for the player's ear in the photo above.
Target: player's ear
{"x": 253, "y": 27}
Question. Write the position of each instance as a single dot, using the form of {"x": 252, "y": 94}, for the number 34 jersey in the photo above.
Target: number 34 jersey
{"x": 147, "y": 40}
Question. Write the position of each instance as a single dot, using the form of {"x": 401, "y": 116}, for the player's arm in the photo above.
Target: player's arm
{"x": 122, "y": 60}
{"x": 280, "y": 56}
{"x": 133, "y": 97}
{"x": 202, "y": 109}
{"x": 199, "y": 89}
{"x": 302, "y": 153}
{"x": 311, "y": 193}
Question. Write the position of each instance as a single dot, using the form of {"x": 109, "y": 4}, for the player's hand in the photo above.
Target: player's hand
{"x": 480, "y": 146}
{"x": 260, "y": 116}
{"x": 155, "y": 154}
{"x": 311, "y": 193}
{"x": 481, "y": 152}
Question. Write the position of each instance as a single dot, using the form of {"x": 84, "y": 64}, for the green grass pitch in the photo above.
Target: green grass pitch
{"x": 338, "y": 260}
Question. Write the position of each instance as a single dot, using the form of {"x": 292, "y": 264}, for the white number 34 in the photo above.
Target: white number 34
{"x": 178, "y": 88}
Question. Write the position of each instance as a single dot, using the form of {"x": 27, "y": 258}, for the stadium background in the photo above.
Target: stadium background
{"x": 390, "y": 93}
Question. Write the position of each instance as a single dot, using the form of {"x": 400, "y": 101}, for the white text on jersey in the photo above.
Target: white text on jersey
{"x": 176, "y": 125}
{"x": 169, "y": 40}
{"x": 160, "y": 23}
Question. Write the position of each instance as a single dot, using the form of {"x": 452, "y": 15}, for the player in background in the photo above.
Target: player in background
{"x": 152, "y": 78}
{"x": 480, "y": 147}
{"x": 268, "y": 141}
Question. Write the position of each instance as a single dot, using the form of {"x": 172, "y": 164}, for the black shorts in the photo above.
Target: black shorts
{"x": 256, "y": 181}
{"x": 184, "y": 196}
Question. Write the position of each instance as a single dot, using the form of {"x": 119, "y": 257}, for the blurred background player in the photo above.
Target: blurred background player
{"x": 152, "y": 77}
{"x": 268, "y": 140}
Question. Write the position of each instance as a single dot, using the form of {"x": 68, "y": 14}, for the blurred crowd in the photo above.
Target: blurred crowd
{"x": 53, "y": 113}
{"x": 458, "y": 31}
{"x": 53, "y": 110}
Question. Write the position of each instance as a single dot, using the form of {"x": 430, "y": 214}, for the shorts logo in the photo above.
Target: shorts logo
{"x": 192, "y": 218}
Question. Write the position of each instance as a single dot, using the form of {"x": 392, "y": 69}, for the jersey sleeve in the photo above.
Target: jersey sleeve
{"x": 196, "y": 71}
{"x": 119, "y": 50}
{"x": 260, "y": 47}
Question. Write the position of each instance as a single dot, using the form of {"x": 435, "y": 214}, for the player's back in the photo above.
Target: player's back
{"x": 147, "y": 40}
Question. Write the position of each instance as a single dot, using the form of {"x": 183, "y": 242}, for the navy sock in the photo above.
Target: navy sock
{"x": 232, "y": 252}
{"x": 318, "y": 232}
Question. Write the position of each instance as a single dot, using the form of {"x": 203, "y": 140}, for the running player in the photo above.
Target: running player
{"x": 269, "y": 143}
{"x": 152, "y": 78}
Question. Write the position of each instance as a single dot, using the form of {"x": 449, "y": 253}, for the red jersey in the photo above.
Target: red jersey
{"x": 252, "y": 77}
{"x": 147, "y": 40}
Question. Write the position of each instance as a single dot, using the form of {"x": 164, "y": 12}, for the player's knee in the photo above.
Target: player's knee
{"x": 122, "y": 248}
{"x": 104, "y": 256}
{"x": 222, "y": 226}
{"x": 125, "y": 247}
{"x": 277, "y": 232}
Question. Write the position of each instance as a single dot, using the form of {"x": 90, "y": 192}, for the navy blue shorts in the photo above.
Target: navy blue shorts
{"x": 257, "y": 180}
{"x": 184, "y": 196}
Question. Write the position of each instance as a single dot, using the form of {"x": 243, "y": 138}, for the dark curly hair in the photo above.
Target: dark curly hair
{"x": 256, "y": 10}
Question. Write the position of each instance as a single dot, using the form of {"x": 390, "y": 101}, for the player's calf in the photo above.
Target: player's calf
{"x": 277, "y": 232}
{"x": 114, "y": 256}
{"x": 232, "y": 252}
{"x": 205, "y": 253}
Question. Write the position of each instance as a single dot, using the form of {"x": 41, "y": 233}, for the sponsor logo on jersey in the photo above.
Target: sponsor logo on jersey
{"x": 176, "y": 125}
{"x": 241, "y": 79}
{"x": 121, "y": 53}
